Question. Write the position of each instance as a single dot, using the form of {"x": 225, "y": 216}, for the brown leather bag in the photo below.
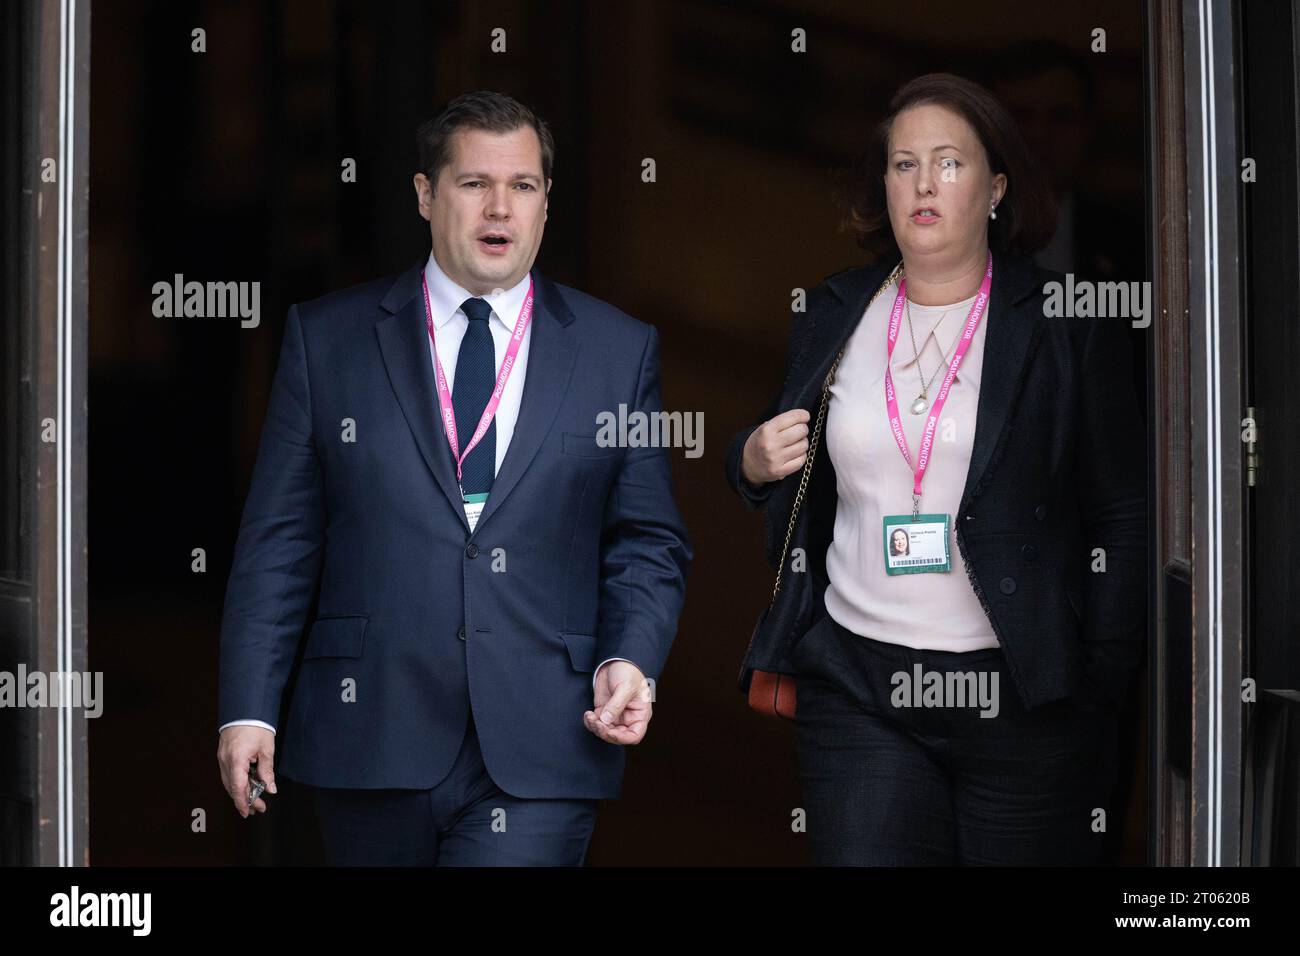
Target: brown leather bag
{"x": 774, "y": 693}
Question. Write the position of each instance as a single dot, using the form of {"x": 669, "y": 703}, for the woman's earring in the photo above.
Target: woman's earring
{"x": 992, "y": 212}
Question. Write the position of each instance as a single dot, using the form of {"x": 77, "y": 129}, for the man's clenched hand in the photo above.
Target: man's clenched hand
{"x": 622, "y": 705}
{"x": 239, "y": 747}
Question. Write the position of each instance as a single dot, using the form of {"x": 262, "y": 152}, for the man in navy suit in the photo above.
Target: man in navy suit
{"x": 486, "y": 566}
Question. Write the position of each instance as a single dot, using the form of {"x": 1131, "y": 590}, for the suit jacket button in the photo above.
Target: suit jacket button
{"x": 1040, "y": 512}
{"x": 460, "y": 634}
{"x": 1030, "y": 552}
{"x": 1008, "y": 585}
{"x": 471, "y": 550}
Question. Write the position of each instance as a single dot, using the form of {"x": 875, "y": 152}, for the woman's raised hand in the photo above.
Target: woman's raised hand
{"x": 776, "y": 448}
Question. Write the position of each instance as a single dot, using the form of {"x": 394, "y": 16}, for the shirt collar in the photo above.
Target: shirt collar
{"x": 446, "y": 297}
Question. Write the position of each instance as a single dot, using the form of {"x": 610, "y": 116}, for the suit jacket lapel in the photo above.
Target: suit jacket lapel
{"x": 404, "y": 344}
{"x": 403, "y": 341}
{"x": 552, "y": 350}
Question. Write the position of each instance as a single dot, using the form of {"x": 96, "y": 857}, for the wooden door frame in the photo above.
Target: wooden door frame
{"x": 1196, "y": 385}
{"x": 1169, "y": 446}
{"x": 1218, "y": 513}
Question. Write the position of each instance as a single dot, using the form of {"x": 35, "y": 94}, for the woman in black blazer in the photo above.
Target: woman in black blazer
{"x": 1049, "y": 524}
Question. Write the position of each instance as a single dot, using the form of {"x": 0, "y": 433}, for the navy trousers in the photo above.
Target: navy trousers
{"x": 886, "y": 785}
{"x": 466, "y": 820}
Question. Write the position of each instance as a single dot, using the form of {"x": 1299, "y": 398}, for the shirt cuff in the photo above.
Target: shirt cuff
{"x": 602, "y": 664}
{"x": 250, "y": 722}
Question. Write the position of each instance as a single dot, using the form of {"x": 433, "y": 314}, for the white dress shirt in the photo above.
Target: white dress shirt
{"x": 449, "y": 326}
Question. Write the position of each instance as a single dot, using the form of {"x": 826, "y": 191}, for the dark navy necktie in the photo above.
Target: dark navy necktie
{"x": 475, "y": 376}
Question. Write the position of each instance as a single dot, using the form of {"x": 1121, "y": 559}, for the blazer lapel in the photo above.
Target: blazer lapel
{"x": 830, "y": 328}
{"x": 552, "y": 350}
{"x": 404, "y": 344}
{"x": 1009, "y": 340}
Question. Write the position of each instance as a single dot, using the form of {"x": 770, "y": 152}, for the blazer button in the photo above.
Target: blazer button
{"x": 1040, "y": 512}
{"x": 1008, "y": 585}
{"x": 460, "y": 634}
{"x": 471, "y": 550}
{"x": 1030, "y": 552}
{"x": 970, "y": 517}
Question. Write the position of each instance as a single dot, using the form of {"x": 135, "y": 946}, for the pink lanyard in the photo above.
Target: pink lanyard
{"x": 503, "y": 375}
{"x": 891, "y": 401}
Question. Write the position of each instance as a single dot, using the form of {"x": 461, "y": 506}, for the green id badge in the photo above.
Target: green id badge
{"x": 916, "y": 545}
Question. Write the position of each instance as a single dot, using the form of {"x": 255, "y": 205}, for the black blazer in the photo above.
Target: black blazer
{"x": 1058, "y": 469}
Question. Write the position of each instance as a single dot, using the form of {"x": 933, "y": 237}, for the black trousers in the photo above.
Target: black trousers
{"x": 466, "y": 820}
{"x": 891, "y": 785}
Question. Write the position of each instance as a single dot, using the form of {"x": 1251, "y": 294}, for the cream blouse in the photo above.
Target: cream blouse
{"x": 938, "y": 610}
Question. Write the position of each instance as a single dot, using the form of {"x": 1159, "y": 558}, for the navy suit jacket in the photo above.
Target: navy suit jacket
{"x": 579, "y": 555}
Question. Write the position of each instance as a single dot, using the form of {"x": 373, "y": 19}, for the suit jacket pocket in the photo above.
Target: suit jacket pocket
{"x": 582, "y": 650}
{"x": 340, "y": 635}
{"x": 586, "y": 446}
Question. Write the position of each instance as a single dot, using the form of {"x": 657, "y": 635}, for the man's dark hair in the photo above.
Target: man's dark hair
{"x": 482, "y": 110}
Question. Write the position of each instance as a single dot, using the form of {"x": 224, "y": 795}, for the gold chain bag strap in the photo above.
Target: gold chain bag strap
{"x": 769, "y": 692}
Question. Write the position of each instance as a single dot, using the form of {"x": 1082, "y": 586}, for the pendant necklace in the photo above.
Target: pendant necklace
{"x": 922, "y": 402}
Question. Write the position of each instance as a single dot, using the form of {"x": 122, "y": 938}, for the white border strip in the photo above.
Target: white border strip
{"x": 66, "y": 178}
{"x": 1214, "y": 445}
